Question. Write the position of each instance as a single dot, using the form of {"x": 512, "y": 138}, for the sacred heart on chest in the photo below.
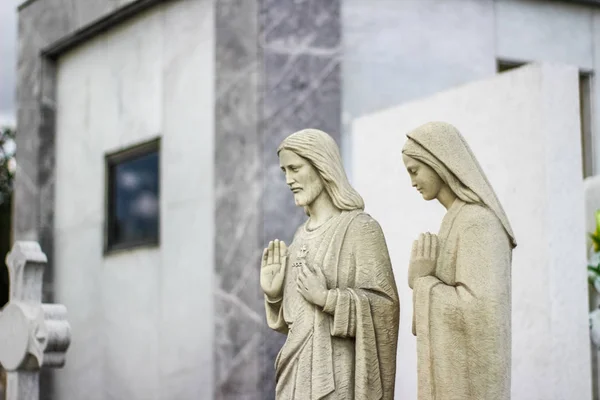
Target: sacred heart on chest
{"x": 301, "y": 257}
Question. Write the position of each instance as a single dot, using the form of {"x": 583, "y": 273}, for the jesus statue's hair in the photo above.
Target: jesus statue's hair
{"x": 324, "y": 155}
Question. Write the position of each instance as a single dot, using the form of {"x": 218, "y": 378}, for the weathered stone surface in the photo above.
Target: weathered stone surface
{"x": 32, "y": 335}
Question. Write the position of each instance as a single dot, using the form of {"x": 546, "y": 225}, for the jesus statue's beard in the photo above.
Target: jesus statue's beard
{"x": 308, "y": 194}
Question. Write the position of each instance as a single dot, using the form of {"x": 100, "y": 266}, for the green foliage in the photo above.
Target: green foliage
{"x": 593, "y": 273}
{"x": 594, "y": 261}
{"x": 596, "y": 235}
{"x": 7, "y": 162}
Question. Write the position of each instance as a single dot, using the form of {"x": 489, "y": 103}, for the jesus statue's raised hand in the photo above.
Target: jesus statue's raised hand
{"x": 272, "y": 269}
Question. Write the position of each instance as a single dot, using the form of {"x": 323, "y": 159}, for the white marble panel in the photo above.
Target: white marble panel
{"x": 529, "y": 149}
{"x": 187, "y": 251}
{"x": 122, "y": 74}
{"x": 550, "y": 31}
{"x": 396, "y": 51}
{"x": 134, "y": 86}
{"x": 144, "y": 315}
{"x": 565, "y": 251}
{"x": 595, "y": 153}
{"x": 130, "y": 328}
{"x": 109, "y": 96}
{"x": 78, "y": 151}
{"x": 78, "y": 285}
{"x": 113, "y": 306}
{"x": 187, "y": 317}
{"x": 188, "y": 105}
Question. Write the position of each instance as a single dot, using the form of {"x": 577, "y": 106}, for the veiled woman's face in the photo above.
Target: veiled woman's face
{"x": 423, "y": 178}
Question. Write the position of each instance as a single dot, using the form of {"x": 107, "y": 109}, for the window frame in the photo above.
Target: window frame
{"x": 111, "y": 160}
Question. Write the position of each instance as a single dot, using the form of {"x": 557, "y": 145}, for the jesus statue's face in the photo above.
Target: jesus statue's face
{"x": 302, "y": 178}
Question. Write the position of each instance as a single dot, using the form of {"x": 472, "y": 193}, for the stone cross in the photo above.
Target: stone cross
{"x": 32, "y": 334}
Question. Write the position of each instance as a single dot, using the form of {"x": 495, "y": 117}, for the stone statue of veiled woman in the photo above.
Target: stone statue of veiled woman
{"x": 461, "y": 278}
{"x": 332, "y": 292}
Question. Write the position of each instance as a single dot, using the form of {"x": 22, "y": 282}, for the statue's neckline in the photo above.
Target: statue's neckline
{"x": 321, "y": 227}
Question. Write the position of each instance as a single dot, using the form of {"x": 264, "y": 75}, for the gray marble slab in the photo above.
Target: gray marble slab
{"x": 238, "y": 197}
{"x": 278, "y": 71}
{"x": 301, "y": 43}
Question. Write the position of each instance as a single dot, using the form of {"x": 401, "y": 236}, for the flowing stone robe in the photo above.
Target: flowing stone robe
{"x": 463, "y": 312}
{"x": 347, "y": 350}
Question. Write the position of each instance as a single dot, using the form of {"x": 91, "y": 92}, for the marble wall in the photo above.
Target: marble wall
{"x": 42, "y": 23}
{"x": 278, "y": 71}
{"x": 141, "y": 319}
{"x": 238, "y": 220}
{"x": 523, "y": 126}
{"x": 148, "y": 312}
{"x": 399, "y": 51}
{"x": 278, "y": 67}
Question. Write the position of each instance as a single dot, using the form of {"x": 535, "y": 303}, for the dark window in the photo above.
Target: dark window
{"x": 505, "y": 65}
{"x": 585, "y": 108}
{"x": 5, "y": 227}
{"x": 133, "y": 197}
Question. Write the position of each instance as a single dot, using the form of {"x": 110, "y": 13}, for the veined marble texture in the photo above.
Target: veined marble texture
{"x": 237, "y": 214}
{"x": 278, "y": 70}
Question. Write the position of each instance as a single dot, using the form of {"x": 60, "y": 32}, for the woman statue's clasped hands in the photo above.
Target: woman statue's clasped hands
{"x": 423, "y": 257}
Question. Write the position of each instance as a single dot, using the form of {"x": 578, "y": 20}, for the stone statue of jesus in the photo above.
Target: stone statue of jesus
{"x": 332, "y": 292}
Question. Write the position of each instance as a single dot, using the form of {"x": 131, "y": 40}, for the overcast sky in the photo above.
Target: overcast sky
{"x": 8, "y": 60}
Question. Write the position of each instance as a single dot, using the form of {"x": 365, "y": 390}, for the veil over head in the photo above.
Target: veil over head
{"x": 442, "y": 147}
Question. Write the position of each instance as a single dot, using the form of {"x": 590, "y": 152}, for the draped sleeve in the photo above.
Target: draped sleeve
{"x": 274, "y": 312}
{"x": 367, "y": 309}
{"x": 373, "y": 278}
